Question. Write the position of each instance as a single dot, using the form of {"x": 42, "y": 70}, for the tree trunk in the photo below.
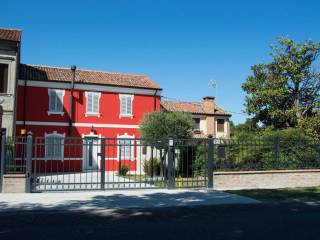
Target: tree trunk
{"x": 162, "y": 159}
{"x": 296, "y": 99}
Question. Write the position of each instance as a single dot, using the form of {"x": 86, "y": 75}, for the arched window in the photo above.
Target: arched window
{"x": 54, "y": 145}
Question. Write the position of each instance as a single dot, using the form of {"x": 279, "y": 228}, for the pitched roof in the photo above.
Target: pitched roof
{"x": 193, "y": 107}
{"x": 10, "y": 34}
{"x": 45, "y": 73}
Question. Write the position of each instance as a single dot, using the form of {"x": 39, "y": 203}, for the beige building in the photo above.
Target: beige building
{"x": 9, "y": 59}
{"x": 208, "y": 117}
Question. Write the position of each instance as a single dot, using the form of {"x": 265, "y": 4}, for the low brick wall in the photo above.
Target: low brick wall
{"x": 14, "y": 183}
{"x": 266, "y": 179}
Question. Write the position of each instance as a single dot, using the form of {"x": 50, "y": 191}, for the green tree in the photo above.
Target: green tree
{"x": 157, "y": 127}
{"x": 311, "y": 127}
{"x": 286, "y": 90}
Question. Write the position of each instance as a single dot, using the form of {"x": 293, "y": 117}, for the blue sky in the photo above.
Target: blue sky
{"x": 182, "y": 45}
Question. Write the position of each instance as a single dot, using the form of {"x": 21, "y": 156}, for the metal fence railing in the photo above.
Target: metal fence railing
{"x": 14, "y": 155}
{"x": 93, "y": 163}
{"x": 234, "y": 155}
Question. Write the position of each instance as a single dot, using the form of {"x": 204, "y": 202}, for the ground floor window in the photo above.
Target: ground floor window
{"x": 54, "y": 145}
{"x": 126, "y": 147}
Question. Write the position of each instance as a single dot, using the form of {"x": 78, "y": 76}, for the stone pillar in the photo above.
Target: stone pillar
{"x": 14, "y": 183}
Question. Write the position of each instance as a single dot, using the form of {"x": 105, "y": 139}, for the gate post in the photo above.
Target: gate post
{"x": 29, "y": 162}
{"x": 2, "y": 160}
{"x": 210, "y": 162}
{"x": 103, "y": 163}
{"x": 170, "y": 174}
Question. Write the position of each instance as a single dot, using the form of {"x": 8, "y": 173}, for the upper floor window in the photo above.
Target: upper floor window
{"x": 196, "y": 124}
{"x": 4, "y": 78}
{"x": 54, "y": 146}
{"x": 126, "y": 105}
{"x": 93, "y": 103}
{"x": 220, "y": 125}
{"x": 55, "y": 101}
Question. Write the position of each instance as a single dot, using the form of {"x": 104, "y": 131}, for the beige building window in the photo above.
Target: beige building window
{"x": 196, "y": 124}
{"x": 220, "y": 125}
{"x": 4, "y": 78}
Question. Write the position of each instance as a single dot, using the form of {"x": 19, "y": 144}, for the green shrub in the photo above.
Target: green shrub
{"x": 123, "y": 170}
{"x": 152, "y": 167}
{"x": 199, "y": 164}
{"x": 284, "y": 149}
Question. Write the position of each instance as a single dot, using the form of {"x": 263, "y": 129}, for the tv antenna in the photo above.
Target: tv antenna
{"x": 214, "y": 83}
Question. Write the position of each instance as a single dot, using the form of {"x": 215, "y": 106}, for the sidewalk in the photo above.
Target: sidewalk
{"x": 123, "y": 199}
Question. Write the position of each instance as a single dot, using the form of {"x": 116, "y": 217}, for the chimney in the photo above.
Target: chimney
{"x": 208, "y": 102}
{"x": 208, "y": 106}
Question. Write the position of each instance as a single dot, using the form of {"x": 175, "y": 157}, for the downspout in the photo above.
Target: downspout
{"x": 24, "y": 93}
{"x": 155, "y": 100}
{"x": 73, "y": 69}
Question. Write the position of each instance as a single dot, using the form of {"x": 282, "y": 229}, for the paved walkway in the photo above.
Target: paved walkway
{"x": 123, "y": 199}
{"x": 86, "y": 180}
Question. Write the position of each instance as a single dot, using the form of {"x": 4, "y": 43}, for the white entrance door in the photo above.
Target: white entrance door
{"x": 90, "y": 153}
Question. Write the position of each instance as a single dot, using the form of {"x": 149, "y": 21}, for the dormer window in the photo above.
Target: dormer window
{"x": 4, "y": 78}
{"x": 55, "y": 101}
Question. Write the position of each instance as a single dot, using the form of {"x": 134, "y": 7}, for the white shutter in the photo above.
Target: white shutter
{"x": 128, "y": 149}
{"x": 129, "y": 105}
{"x": 49, "y": 147}
{"x": 52, "y": 101}
{"x": 95, "y": 106}
{"x": 89, "y": 102}
{"x": 58, "y": 145}
{"x": 123, "y": 105}
{"x": 58, "y": 102}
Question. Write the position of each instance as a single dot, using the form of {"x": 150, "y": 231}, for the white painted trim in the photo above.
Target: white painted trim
{"x": 65, "y": 124}
{"x": 90, "y": 87}
{"x": 55, "y": 113}
{"x": 57, "y": 91}
{"x": 54, "y": 133}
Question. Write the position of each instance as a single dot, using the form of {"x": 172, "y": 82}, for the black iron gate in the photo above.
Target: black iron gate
{"x": 93, "y": 163}
{"x": 57, "y": 163}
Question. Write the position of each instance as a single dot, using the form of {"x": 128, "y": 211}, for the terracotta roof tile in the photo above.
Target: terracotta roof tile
{"x": 45, "y": 73}
{"x": 10, "y": 34}
{"x": 193, "y": 107}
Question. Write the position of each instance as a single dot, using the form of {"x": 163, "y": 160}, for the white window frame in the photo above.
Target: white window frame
{"x": 62, "y": 97}
{"x": 125, "y": 137}
{"x": 130, "y": 115}
{"x": 92, "y": 113}
{"x": 57, "y": 135}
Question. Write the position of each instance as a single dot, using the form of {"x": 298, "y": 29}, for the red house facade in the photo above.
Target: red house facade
{"x": 94, "y": 105}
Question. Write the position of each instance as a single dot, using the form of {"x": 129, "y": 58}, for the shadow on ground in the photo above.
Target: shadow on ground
{"x": 84, "y": 201}
{"x": 244, "y": 221}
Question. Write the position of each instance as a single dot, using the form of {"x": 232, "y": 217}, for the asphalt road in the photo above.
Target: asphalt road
{"x": 258, "y": 221}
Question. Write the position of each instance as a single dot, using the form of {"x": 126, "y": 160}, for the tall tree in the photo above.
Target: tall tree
{"x": 287, "y": 89}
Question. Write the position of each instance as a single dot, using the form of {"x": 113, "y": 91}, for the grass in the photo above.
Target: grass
{"x": 180, "y": 182}
{"x": 284, "y": 194}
